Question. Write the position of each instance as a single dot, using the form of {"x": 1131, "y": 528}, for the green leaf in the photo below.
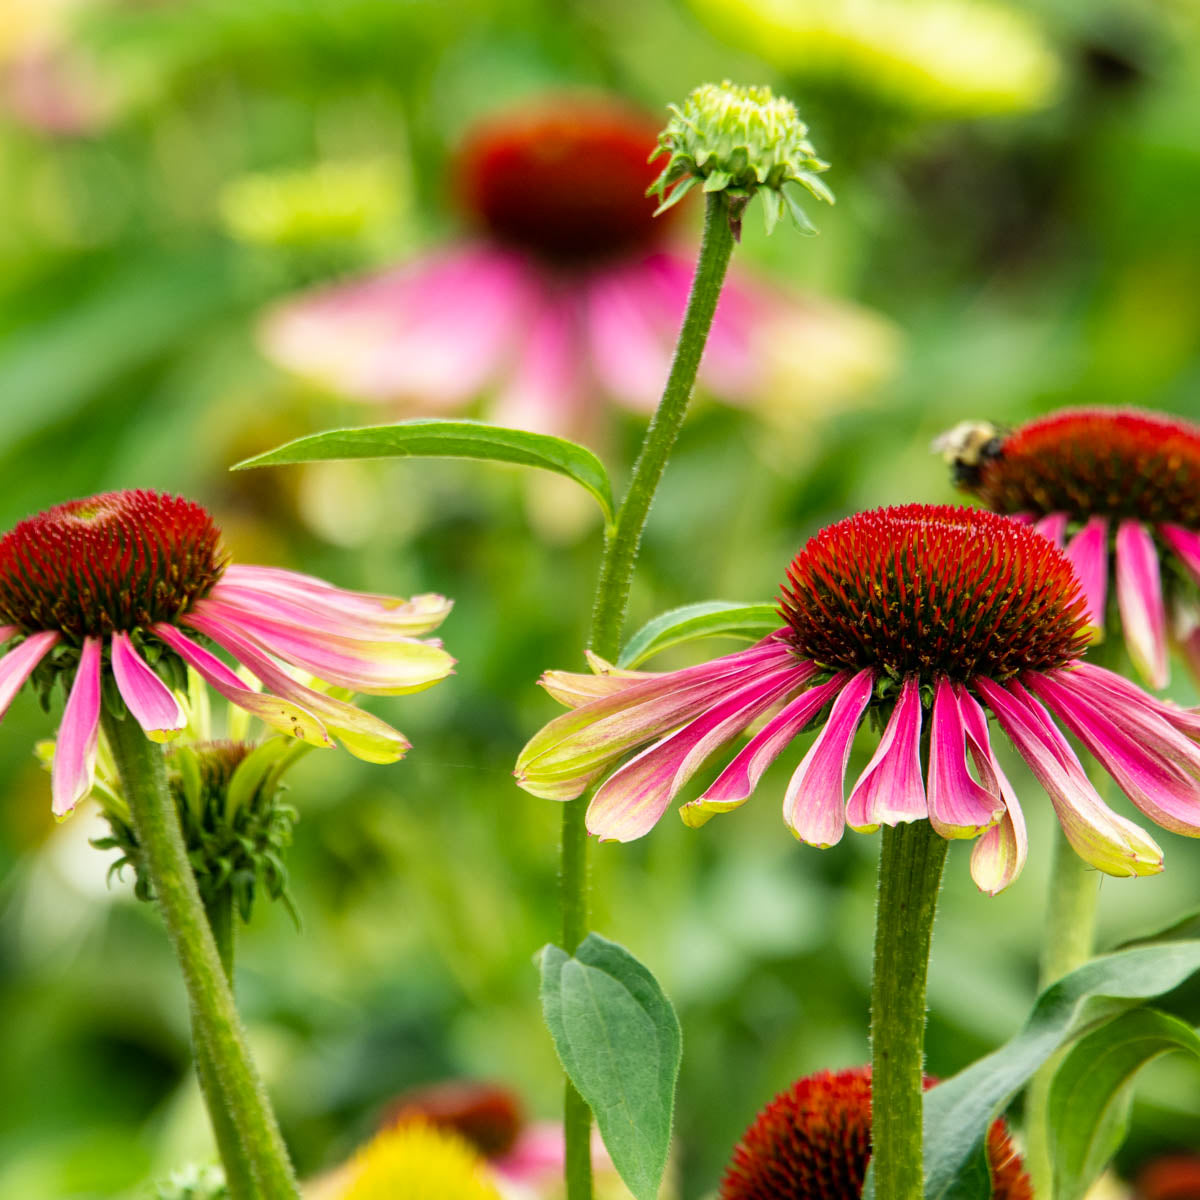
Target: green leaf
{"x": 1089, "y": 1098}
{"x": 712, "y": 618}
{"x": 430, "y": 438}
{"x": 618, "y": 1039}
{"x": 959, "y": 1111}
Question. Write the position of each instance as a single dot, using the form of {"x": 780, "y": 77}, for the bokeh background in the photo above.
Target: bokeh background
{"x": 1016, "y": 230}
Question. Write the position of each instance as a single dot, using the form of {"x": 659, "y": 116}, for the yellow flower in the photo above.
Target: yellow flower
{"x": 415, "y": 1161}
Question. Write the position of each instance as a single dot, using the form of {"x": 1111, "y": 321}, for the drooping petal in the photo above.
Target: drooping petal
{"x": 735, "y": 784}
{"x": 1054, "y": 527}
{"x": 891, "y": 789}
{"x": 1139, "y": 595}
{"x": 998, "y": 857}
{"x": 1097, "y": 834}
{"x": 74, "y": 768}
{"x": 363, "y": 734}
{"x": 958, "y": 806}
{"x": 1186, "y": 720}
{"x": 562, "y": 757}
{"x": 546, "y": 391}
{"x": 151, "y": 702}
{"x": 1163, "y": 790}
{"x": 399, "y": 335}
{"x": 1186, "y": 544}
{"x": 1088, "y": 552}
{"x": 17, "y": 665}
{"x": 815, "y": 804}
{"x": 384, "y": 668}
{"x": 279, "y": 714}
{"x": 631, "y": 802}
{"x": 572, "y": 689}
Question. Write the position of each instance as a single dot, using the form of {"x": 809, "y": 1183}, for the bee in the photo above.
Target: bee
{"x": 968, "y": 448}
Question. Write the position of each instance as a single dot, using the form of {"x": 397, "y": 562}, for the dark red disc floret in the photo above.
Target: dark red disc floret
{"x": 565, "y": 180}
{"x": 122, "y": 560}
{"x": 1098, "y": 462}
{"x": 813, "y": 1142}
{"x": 931, "y": 590}
{"x": 486, "y": 1115}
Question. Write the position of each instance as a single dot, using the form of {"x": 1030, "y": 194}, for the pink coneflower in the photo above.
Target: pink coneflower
{"x": 929, "y": 617}
{"x": 101, "y": 589}
{"x": 813, "y": 1142}
{"x": 566, "y": 291}
{"x": 1113, "y": 487}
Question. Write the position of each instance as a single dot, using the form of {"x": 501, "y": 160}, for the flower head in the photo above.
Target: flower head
{"x": 813, "y": 1142}
{"x": 567, "y": 291}
{"x": 929, "y": 617}
{"x": 418, "y": 1161}
{"x": 104, "y": 587}
{"x": 487, "y": 1116}
{"x": 739, "y": 140}
{"x": 1117, "y": 489}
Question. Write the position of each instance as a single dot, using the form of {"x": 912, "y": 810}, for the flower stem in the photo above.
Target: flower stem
{"x": 910, "y": 872}
{"x": 612, "y": 597}
{"x": 1070, "y": 936}
{"x": 218, "y": 1032}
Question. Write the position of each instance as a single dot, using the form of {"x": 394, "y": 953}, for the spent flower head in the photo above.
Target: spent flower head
{"x": 739, "y": 140}
{"x": 928, "y": 618}
{"x": 98, "y": 592}
{"x": 813, "y": 1142}
{"x": 1119, "y": 490}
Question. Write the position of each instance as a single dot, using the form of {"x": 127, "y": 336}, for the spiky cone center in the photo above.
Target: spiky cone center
{"x": 931, "y": 592}
{"x": 1114, "y": 463}
{"x": 117, "y": 561}
{"x": 564, "y": 180}
{"x": 813, "y": 1142}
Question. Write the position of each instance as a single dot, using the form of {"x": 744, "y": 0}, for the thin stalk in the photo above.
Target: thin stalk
{"x": 214, "y": 1017}
{"x": 612, "y": 598}
{"x": 239, "y": 1177}
{"x": 911, "y": 859}
{"x": 1070, "y": 939}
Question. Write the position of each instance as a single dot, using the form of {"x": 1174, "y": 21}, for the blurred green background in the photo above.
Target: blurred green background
{"x": 1017, "y": 193}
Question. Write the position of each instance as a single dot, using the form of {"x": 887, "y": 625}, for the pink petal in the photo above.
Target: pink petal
{"x": 151, "y": 702}
{"x": 566, "y": 754}
{"x": 1158, "y": 784}
{"x": 18, "y": 664}
{"x": 815, "y": 803}
{"x": 631, "y": 802}
{"x": 1186, "y": 720}
{"x": 1186, "y": 545}
{"x": 74, "y": 768}
{"x": 1088, "y": 552}
{"x": 363, "y": 734}
{"x": 1139, "y": 595}
{"x": 437, "y": 331}
{"x": 891, "y": 789}
{"x": 1054, "y": 527}
{"x": 279, "y": 714}
{"x": 958, "y": 806}
{"x": 998, "y": 857}
{"x": 385, "y": 668}
{"x": 629, "y": 353}
{"x": 546, "y": 393}
{"x": 1098, "y": 835}
{"x": 735, "y": 784}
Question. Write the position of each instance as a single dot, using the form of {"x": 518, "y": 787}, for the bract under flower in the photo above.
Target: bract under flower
{"x": 929, "y": 617}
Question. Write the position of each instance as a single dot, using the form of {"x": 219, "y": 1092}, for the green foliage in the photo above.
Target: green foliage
{"x": 618, "y": 1039}
{"x": 693, "y": 622}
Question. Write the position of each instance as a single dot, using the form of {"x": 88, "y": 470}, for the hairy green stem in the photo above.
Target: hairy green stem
{"x": 218, "y": 1031}
{"x": 1070, "y": 938}
{"x": 911, "y": 859}
{"x": 612, "y": 597}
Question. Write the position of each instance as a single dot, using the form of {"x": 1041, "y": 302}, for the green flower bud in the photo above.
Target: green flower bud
{"x": 740, "y": 140}
{"x": 193, "y": 1183}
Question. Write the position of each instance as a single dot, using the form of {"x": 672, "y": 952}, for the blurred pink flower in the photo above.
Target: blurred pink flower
{"x": 567, "y": 290}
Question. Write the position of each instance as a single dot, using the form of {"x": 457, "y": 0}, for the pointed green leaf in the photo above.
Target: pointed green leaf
{"x": 959, "y": 1111}
{"x": 1088, "y": 1110}
{"x": 429, "y": 438}
{"x": 712, "y": 618}
{"x": 618, "y": 1039}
